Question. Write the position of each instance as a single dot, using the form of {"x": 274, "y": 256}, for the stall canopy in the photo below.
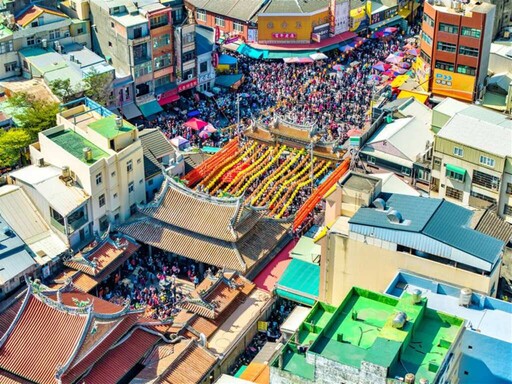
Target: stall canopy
{"x": 421, "y": 97}
{"x": 246, "y": 50}
{"x": 229, "y": 81}
{"x": 168, "y": 99}
{"x": 318, "y": 56}
{"x": 289, "y": 54}
{"x": 196, "y": 124}
{"x": 300, "y": 282}
{"x": 180, "y": 142}
{"x": 227, "y": 60}
{"x": 130, "y": 111}
{"x": 150, "y": 108}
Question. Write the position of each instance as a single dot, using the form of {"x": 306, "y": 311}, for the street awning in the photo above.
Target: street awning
{"x": 168, "y": 99}
{"x": 421, "y": 97}
{"x": 150, "y": 108}
{"x": 295, "y": 297}
{"x": 130, "y": 111}
{"x": 227, "y": 60}
{"x": 457, "y": 170}
{"x": 300, "y": 282}
{"x": 228, "y": 81}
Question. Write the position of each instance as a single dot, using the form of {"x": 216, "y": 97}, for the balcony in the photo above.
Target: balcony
{"x": 141, "y": 59}
{"x": 139, "y": 40}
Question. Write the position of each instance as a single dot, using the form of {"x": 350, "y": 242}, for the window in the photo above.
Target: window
{"x": 371, "y": 160}
{"x": 25, "y": 64}
{"x": 219, "y": 21}
{"x": 238, "y": 27}
{"x": 109, "y": 43}
{"x": 426, "y": 38}
{"x": 188, "y": 56}
{"x": 458, "y": 151}
{"x": 130, "y": 187}
{"x": 482, "y": 197}
{"x": 113, "y": 174}
{"x": 143, "y": 69}
{"x": 188, "y": 38}
{"x": 471, "y": 32}
{"x": 468, "y": 51}
{"x": 34, "y": 24}
{"x": 57, "y": 219}
{"x": 449, "y": 28}
{"x": 103, "y": 223}
{"x": 444, "y": 65}
{"x": 446, "y": 47}
{"x": 509, "y": 188}
{"x": 485, "y": 180}
{"x": 133, "y": 208}
{"x": 112, "y": 25}
{"x": 115, "y": 195}
{"x": 162, "y": 61}
{"x": 31, "y": 40}
{"x": 98, "y": 179}
{"x": 55, "y": 34}
{"x": 425, "y": 57}
{"x": 203, "y": 67}
{"x": 140, "y": 181}
{"x": 454, "y": 193}
{"x": 162, "y": 41}
{"x": 116, "y": 217}
{"x": 80, "y": 31}
{"x": 507, "y": 210}
{"x": 455, "y": 175}
{"x": 159, "y": 21}
{"x": 406, "y": 171}
{"x": 11, "y": 67}
{"x": 139, "y": 161}
{"x": 466, "y": 70}
{"x": 101, "y": 200}
{"x": 201, "y": 15}
{"x": 137, "y": 32}
{"x": 484, "y": 160}
{"x": 427, "y": 19}
{"x": 437, "y": 164}
{"x": 6, "y": 47}
{"x": 129, "y": 166}
{"x": 162, "y": 81}
{"x": 142, "y": 89}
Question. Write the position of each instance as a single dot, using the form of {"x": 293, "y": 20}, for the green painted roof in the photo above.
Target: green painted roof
{"x": 301, "y": 278}
{"x": 107, "y": 127}
{"x": 4, "y": 31}
{"x": 74, "y": 144}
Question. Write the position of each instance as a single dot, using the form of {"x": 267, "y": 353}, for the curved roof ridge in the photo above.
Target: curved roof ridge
{"x": 24, "y": 304}
{"x": 226, "y": 201}
{"x": 239, "y": 258}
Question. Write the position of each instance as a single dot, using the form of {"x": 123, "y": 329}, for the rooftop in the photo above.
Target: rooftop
{"x": 361, "y": 330}
{"x": 108, "y": 128}
{"x": 295, "y": 6}
{"x": 470, "y": 6}
{"x": 440, "y": 220}
{"x": 74, "y": 143}
{"x": 237, "y": 9}
{"x": 34, "y": 12}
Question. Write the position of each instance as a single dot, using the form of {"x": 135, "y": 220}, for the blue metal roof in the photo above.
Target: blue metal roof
{"x": 450, "y": 224}
{"x": 416, "y": 212}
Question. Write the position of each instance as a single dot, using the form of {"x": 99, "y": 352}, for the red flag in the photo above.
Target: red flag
{"x": 215, "y": 59}
{"x": 217, "y": 34}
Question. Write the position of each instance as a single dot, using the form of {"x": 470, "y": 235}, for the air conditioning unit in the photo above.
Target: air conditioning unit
{"x": 190, "y": 76}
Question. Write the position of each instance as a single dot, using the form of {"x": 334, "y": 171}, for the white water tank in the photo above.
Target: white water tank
{"x": 423, "y": 381}
{"x": 465, "y": 296}
{"x": 409, "y": 378}
{"x": 399, "y": 320}
{"x": 416, "y": 296}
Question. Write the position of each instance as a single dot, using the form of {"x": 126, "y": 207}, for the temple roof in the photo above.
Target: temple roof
{"x": 219, "y": 218}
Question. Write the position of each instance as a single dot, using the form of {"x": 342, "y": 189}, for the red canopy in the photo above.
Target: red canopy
{"x": 196, "y": 124}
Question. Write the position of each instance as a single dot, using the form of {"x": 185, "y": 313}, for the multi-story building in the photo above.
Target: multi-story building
{"x": 503, "y": 16}
{"x": 186, "y": 64}
{"x": 138, "y": 41}
{"x": 371, "y": 235}
{"x": 456, "y": 38}
{"x": 472, "y": 159}
{"x": 36, "y": 25}
{"x": 205, "y": 48}
{"x": 101, "y": 153}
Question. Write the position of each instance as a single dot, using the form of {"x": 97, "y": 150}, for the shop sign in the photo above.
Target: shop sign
{"x": 206, "y": 77}
{"x": 453, "y": 84}
{"x": 284, "y": 35}
{"x": 384, "y": 15}
{"x": 215, "y": 59}
{"x": 188, "y": 85}
{"x": 316, "y": 37}
{"x": 332, "y": 17}
{"x": 252, "y": 35}
{"x": 217, "y": 34}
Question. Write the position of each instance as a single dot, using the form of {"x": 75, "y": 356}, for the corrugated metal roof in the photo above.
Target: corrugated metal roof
{"x": 17, "y": 209}
{"x": 450, "y": 225}
{"x": 301, "y": 278}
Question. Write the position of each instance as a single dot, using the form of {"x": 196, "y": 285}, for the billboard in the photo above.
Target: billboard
{"x": 452, "y": 84}
{"x": 422, "y": 71}
{"x": 339, "y": 17}
{"x": 358, "y": 19}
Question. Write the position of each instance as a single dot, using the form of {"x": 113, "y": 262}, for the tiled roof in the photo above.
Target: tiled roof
{"x": 237, "y": 9}
{"x": 44, "y": 332}
{"x": 195, "y": 212}
{"x": 155, "y": 145}
{"x": 190, "y": 367}
{"x": 8, "y": 314}
{"x": 8, "y": 378}
{"x": 34, "y": 12}
{"x": 492, "y": 225}
{"x": 106, "y": 255}
{"x": 118, "y": 361}
{"x": 159, "y": 360}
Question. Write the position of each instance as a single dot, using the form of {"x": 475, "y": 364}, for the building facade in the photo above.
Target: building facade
{"x": 36, "y": 26}
{"x": 468, "y": 168}
{"x": 103, "y": 155}
{"x": 455, "y": 45}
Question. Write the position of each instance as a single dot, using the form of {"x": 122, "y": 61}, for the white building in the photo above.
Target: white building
{"x": 101, "y": 153}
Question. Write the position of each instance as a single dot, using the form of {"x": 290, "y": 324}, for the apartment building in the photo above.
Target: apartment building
{"x": 35, "y": 25}
{"x": 468, "y": 168}
{"x": 455, "y": 43}
{"x": 138, "y": 42}
{"x": 371, "y": 235}
{"x": 102, "y": 154}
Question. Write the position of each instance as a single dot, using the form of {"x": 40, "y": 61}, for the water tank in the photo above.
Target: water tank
{"x": 423, "y": 381}
{"x": 87, "y": 153}
{"x": 416, "y": 296}
{"x": 409, "y": 378}
{"x": 399, "y": 321}
{"x": 395, "y": 217}
{"x": 465, "y": 296}
{"x": 44, "y": 43}
{"x": 119, "y": 122}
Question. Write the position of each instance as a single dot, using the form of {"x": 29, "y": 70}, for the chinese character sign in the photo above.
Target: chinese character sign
{"x": 284, "y": 36}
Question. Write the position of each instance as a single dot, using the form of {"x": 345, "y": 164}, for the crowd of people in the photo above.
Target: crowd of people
{"x": 151, "y": 282}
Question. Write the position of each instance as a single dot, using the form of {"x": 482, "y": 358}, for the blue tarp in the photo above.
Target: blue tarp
{"x": 193, "y": 113}
{"x": 227, "y": 81}
{"x": 227, "y": 60}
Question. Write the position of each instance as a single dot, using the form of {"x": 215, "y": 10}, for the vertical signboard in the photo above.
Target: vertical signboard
{"x": 342, "y": 18}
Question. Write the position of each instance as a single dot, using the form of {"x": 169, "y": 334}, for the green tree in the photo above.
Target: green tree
{"x": 34, "y": 115}
{"x": 13, "y": 144}
{"x": 98, "y": 86}
{"x": 62, "y": 89}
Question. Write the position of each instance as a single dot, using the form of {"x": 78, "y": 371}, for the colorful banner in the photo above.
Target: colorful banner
{"x": 422, "y": 71}
{"x": 358, "y": 19}
{"x": 452, "y": 84}
{"x": 215, "y": 59}
{"x": 188, "y": 85}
